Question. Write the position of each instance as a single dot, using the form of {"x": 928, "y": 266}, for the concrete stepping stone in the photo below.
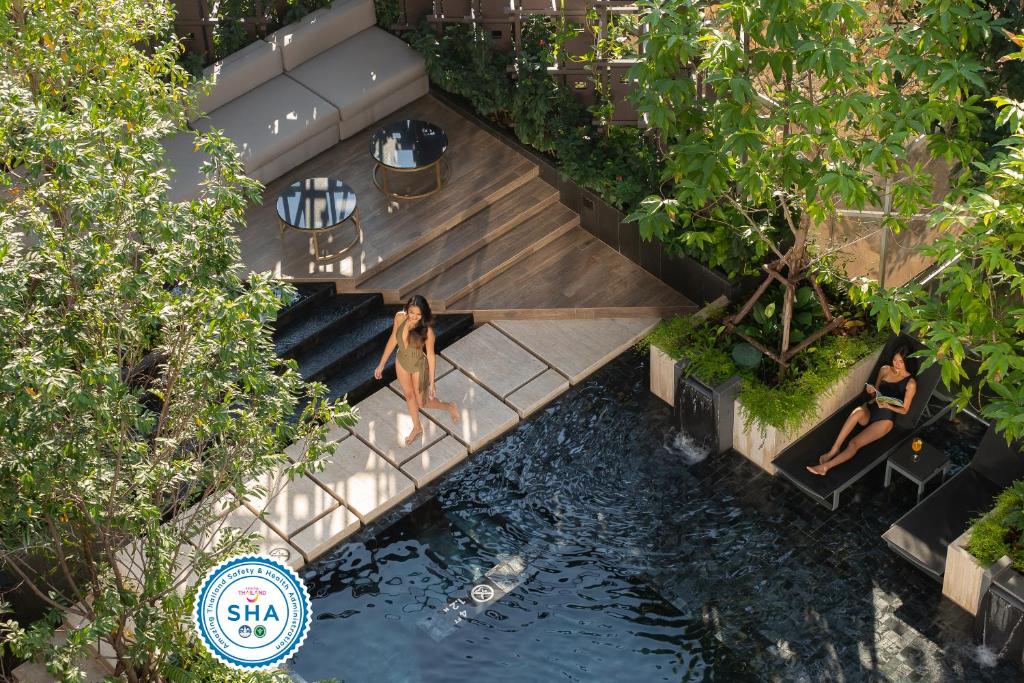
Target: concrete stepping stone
{"x": 577, "y": 347}
{"x": 492, "y": 359}
{"x": 361, "y": 478}
{"x": 326, "y": 532}
{"x": 537, "y": 393}
{"x": 298, "y": 503}
{"x": 268, "y": 540}
{"x": 434, "y": 461}
{"x": 384, "y": 423}
{"x": 441, "y": 368}
{"x": 482, "y": 417}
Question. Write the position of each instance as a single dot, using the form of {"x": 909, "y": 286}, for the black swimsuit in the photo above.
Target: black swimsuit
{"x": 893, "y": 390}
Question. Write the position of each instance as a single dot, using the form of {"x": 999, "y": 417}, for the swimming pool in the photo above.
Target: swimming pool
{"x": 600, "y": 553}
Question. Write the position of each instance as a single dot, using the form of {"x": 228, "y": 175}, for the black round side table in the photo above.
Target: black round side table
{"x": 317, "y": 206}
{"x": 408, "y": 147}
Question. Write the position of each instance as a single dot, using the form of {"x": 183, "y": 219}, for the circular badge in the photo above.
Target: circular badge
{"x": 252, "y": 612}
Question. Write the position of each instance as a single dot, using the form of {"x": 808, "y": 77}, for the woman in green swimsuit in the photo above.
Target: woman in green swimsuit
{"x": 413, "y": 334}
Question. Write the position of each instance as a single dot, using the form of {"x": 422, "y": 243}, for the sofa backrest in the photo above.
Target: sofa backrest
{"x": 998, "y": 462}
{"x": 238, "y": 73}
{"x": 322, "y": 30}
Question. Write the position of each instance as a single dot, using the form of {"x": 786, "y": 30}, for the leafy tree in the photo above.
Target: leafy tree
{"x": 974, "y": 313}
{"x": 137, "y": 374}
{"x": 772, "y": 114}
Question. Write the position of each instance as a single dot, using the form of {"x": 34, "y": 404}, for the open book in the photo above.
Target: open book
{"x": 883, "y": 400}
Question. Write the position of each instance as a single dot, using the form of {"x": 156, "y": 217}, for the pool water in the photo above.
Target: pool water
{"x": 588, "y": 545}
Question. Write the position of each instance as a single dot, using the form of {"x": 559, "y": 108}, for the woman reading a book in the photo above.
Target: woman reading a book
{"x": 895, "y": 391}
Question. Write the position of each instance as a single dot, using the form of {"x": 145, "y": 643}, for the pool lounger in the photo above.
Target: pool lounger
{"x": 792, "y": 463}
{"x": 923, "y": 535}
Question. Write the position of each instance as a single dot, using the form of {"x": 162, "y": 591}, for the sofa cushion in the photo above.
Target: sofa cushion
{"x": 184, "y": 162}
{"x": 239, "y": 73}
{"x": 356, "y": 73}
{"x": 322, "y": 30}
{"x": 268, "y": 121}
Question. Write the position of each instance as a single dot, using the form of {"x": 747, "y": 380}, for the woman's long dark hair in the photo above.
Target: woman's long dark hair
{"x": 418, "y": 334}
{"x": 904, "y": 351}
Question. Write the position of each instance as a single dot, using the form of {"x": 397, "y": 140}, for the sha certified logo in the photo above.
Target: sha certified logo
{"x": 252, "y": 612}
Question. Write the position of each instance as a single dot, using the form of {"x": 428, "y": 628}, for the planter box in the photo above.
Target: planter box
{"x": 761, "y": 444}
{"x": 965, "y": 581}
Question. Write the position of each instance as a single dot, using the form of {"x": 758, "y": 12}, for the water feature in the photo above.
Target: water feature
{"x": 583, "y": 546}
{"x": 705, "y": 413}
{"x": 1002, "y": 617}
{"x": 695, "y": 410}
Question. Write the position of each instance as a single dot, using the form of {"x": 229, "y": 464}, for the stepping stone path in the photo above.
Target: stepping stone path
{"x": 498, "y": 374}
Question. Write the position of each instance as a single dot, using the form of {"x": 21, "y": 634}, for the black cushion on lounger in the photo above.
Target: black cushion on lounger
{"x": 923, "y": 534}
{"x": 792, "y": 463}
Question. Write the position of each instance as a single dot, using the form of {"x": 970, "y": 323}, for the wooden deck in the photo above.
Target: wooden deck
{"x": 495, "y": 241}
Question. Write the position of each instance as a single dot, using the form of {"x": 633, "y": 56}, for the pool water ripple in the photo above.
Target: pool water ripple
{"x": 642, "y": 562}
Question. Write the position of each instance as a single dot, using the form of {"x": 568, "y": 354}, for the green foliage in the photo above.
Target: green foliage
{"x": 137, "y": 370}
{"x": 1000, "y": 532}
{"x": 764, "y": 323}
{"x": 388, "y": 12}
{"x": 766, "y": 402}
{"x": 746, "y": 355}
{"x": 772, "y": 110}
{"x": 697, "y": 344}
{"x": 792, "y": 402}
{"x": 973, "y": 314}
{"x": 618, "y": 164}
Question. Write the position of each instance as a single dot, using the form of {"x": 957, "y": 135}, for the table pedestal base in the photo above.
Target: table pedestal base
{"x": 357, "y": 237}
{"x": 383, "y": 184}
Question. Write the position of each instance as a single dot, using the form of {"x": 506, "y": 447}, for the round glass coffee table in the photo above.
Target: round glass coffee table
{"x": 409, "y": 147}
{"x": 317, "y": 206}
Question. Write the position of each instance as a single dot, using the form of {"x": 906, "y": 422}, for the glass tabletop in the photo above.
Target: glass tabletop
{"x": 408, "y": 144}
{"x": 316, "y": 203}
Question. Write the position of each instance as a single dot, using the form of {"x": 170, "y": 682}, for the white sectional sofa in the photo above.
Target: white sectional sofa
{"x": 302, "y": 89}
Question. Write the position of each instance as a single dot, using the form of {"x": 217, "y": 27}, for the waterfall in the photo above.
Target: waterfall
{"x": 697, "y": 419}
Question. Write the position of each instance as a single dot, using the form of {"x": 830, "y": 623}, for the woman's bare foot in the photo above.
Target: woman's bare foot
{"x": 828, "y": 456}
{"x": 820, "y": 470}
{"x": 454, "y": 411}
{"x": 412, "y": 436}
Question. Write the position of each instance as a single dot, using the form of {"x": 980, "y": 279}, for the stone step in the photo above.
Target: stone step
{"x": 483, "y": 227}
{"x": 309, "y": 296}
{"x": 328, "y": 315}
{"x": 496, "y": 257}
{"x": 348, "y": 344}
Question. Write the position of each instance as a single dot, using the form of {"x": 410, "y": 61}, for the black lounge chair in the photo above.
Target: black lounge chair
{"x": 922, "y": 535}
{"x": 792, "y": 463}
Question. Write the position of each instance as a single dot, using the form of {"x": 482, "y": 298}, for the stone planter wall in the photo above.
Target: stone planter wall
{"x": 761, "y": 445}
{"x": 965, "y": 581}
{"x": 665, "y": 371}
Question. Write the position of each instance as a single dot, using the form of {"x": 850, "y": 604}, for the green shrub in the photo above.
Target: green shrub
{"x": 617, "y": 163}
{"x": 1000, "y": 531}
{"x": 815, "y": 370}
{"x": 387, "y": 12}
{"x": 783, "y": 405}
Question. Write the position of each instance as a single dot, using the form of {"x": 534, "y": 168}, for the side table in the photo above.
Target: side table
{"x": 317, "y": 206}
{"x": 930, "y": 462}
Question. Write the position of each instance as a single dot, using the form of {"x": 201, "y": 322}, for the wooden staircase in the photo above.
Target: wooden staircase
{"x": 494, "y": 242}
{"x": 472, "y": 253}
